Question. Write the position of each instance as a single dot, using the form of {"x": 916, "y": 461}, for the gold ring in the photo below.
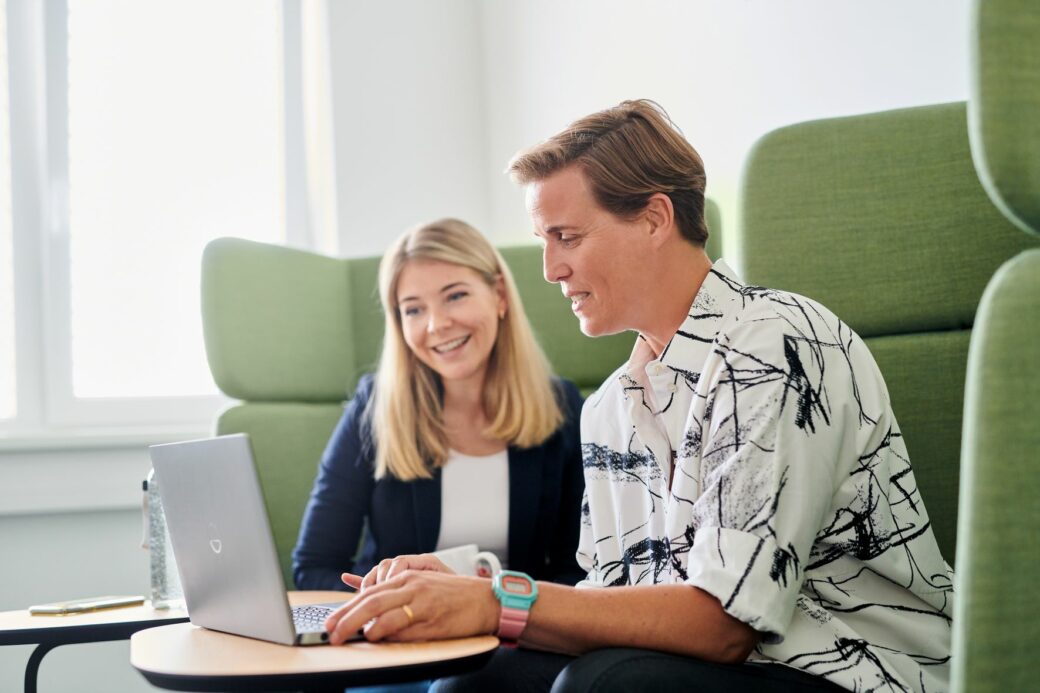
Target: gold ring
{"x": 408, "y": 612}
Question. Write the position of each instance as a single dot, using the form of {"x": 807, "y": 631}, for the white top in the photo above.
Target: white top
{"x": 475, "y": 502}
{"x": 792, "y": 499}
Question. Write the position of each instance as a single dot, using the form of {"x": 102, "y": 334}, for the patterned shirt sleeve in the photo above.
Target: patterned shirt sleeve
{"x": 775, "y": 426}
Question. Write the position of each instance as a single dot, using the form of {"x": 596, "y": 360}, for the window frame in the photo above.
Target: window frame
{"x": 46, "y": 406}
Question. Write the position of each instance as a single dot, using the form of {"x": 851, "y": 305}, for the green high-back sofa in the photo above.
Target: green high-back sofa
{"x": 881, "y": 217}
{"x": 289, "y": 333}
{"x": 997, "y": 608}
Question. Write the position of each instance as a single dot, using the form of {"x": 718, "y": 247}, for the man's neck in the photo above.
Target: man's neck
{"x": 682, "y": 273}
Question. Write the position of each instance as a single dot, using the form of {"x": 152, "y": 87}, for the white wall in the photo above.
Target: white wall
{"x": 727, "y": 72}
{"x": 47, "y": 557}
{"x": 408, "y": 118}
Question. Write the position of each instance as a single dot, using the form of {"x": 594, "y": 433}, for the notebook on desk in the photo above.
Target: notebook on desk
{"x": 223, "y": 543}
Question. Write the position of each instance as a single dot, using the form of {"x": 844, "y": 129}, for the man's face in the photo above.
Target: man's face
{"x": 593, "y": 255}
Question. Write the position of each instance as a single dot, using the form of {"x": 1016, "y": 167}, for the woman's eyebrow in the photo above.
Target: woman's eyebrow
{"x": 446, "y": 287}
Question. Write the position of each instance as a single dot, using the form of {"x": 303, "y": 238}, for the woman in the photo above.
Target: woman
{"x": 462, "y": 436}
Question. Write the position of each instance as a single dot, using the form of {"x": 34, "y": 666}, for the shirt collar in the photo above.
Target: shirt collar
{"x": 692, "y": 343}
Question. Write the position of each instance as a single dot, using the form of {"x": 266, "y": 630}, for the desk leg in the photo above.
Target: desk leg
{"x": 32, "y": 668}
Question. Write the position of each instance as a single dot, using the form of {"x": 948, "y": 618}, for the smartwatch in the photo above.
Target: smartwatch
{"x": 516, "y": 592}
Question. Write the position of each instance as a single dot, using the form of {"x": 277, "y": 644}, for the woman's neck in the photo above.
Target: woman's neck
{"x": 465, "y": 419}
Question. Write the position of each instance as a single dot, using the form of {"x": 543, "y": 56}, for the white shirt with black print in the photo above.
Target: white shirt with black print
{"x": 791, "y": 499}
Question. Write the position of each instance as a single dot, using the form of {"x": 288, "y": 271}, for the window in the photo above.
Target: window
{"x": 8, "y": 383}
{"x": 164, "y": 127}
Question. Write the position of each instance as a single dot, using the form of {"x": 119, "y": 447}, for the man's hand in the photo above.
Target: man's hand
{"x": 439, "y": 605}
{"x": 390, "y": 567}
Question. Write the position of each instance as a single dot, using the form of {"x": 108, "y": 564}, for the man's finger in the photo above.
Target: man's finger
{"x": 370, "y": 604}
{"x": 392, "y": 624}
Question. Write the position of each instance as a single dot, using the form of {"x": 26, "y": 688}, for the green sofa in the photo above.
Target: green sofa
{"x": 997, "y": 608}
{"x": 289, "y": 333}
{"x": 881, "y": 217}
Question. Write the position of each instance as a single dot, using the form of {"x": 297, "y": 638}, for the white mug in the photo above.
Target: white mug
{"x": 469, "y": 560}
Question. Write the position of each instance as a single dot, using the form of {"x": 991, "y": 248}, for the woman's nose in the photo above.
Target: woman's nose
{"x": 439, "y": 320}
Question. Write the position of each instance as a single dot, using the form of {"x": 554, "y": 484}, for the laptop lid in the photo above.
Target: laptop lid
{"x": 222, "y": 538}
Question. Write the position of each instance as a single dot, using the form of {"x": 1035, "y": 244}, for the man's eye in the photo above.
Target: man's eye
{"x": 568, "y": 239}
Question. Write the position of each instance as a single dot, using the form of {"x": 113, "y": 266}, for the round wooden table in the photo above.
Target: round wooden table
{"x": 184, "y": 657}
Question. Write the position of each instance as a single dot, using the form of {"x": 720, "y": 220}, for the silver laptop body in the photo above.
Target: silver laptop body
{"x": 223, "y": 543}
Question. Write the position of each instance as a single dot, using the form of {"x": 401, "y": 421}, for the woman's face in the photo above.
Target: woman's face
{"x": 449, "y": 317}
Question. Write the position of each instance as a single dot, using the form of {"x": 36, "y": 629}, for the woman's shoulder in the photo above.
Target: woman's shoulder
{"x": 567, "y": 392}
{"x": 366, "y": 382}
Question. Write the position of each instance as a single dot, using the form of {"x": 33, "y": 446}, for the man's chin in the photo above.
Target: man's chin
{"x": 596, "y": 328}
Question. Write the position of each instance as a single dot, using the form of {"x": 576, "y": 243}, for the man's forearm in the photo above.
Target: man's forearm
{"x": 679, "y": 619}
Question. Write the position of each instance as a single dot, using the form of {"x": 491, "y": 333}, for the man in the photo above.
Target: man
{"x": 752, "y": 521}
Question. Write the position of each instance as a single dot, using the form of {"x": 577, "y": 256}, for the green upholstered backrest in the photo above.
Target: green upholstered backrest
{"x": 1004, "y": 110}
{"x": 997, "y": 606}
{"x": 881, "y": 218}
{"x": 713, "y": 220}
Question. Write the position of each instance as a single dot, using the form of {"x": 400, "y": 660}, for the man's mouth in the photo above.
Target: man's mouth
{"x": 448, "y": 347}
{"x": 577, "y": 299}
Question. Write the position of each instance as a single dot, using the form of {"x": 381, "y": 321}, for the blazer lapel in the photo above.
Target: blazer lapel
{"x": 525, "y": 489}
{"x": 426, "y": 500}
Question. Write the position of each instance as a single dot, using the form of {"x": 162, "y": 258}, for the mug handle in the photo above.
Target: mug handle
{"x": 486, "y": 565}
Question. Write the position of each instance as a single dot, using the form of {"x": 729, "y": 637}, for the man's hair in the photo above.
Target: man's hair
{"x": 519, "y": 396}
{"x": 628, "y": 153}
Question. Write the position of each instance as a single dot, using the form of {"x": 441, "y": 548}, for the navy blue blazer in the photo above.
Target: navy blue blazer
{"x": 397, "y": 517}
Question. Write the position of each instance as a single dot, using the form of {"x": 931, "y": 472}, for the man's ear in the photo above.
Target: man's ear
{"x": 660, "y": 215}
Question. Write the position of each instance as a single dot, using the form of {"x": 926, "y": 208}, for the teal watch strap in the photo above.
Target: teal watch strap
{"x": 516, "y": 592}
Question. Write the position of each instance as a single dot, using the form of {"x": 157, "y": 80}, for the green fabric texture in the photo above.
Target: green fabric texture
{"x": 997, "y": 611}
{"x": 277, "y": 322}
{"x": 1004, "y": 111}
{"x": 287, "y": 440}
{"x": 713, "y": 220}
{"x": 925, "y": 376}
{"x": 880, "y": 217}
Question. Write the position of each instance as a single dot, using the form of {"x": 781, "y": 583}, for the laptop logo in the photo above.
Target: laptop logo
{"x": 215, "y": 544}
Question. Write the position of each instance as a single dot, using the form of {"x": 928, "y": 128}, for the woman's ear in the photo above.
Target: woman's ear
{"x": 660, "y": 214}
{"x": 500, "y": 292}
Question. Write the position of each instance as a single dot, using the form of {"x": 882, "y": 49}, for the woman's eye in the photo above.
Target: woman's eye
{"x": 456, "y": 295}
{"x": 410, "y": 311}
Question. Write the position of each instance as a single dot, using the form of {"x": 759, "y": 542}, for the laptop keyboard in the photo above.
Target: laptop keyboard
{"x": 310, "y": 619}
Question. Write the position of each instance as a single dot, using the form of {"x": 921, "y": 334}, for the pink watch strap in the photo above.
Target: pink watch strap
{"x": 511, "y": 624}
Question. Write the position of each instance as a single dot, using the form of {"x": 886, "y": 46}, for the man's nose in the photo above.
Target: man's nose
{"x": 553, "y": 268}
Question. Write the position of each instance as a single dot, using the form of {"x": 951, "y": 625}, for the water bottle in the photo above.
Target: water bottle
{"x": 166, "y": 582}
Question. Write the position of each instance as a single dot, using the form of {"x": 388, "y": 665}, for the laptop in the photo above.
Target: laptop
{"x": 223, "y": 544}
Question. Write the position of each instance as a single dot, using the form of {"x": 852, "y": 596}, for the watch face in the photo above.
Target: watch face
{"x": 515, "y": 585}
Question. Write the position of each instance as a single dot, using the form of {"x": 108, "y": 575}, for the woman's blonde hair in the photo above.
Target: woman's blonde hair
{"x": 405, "y": 409}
